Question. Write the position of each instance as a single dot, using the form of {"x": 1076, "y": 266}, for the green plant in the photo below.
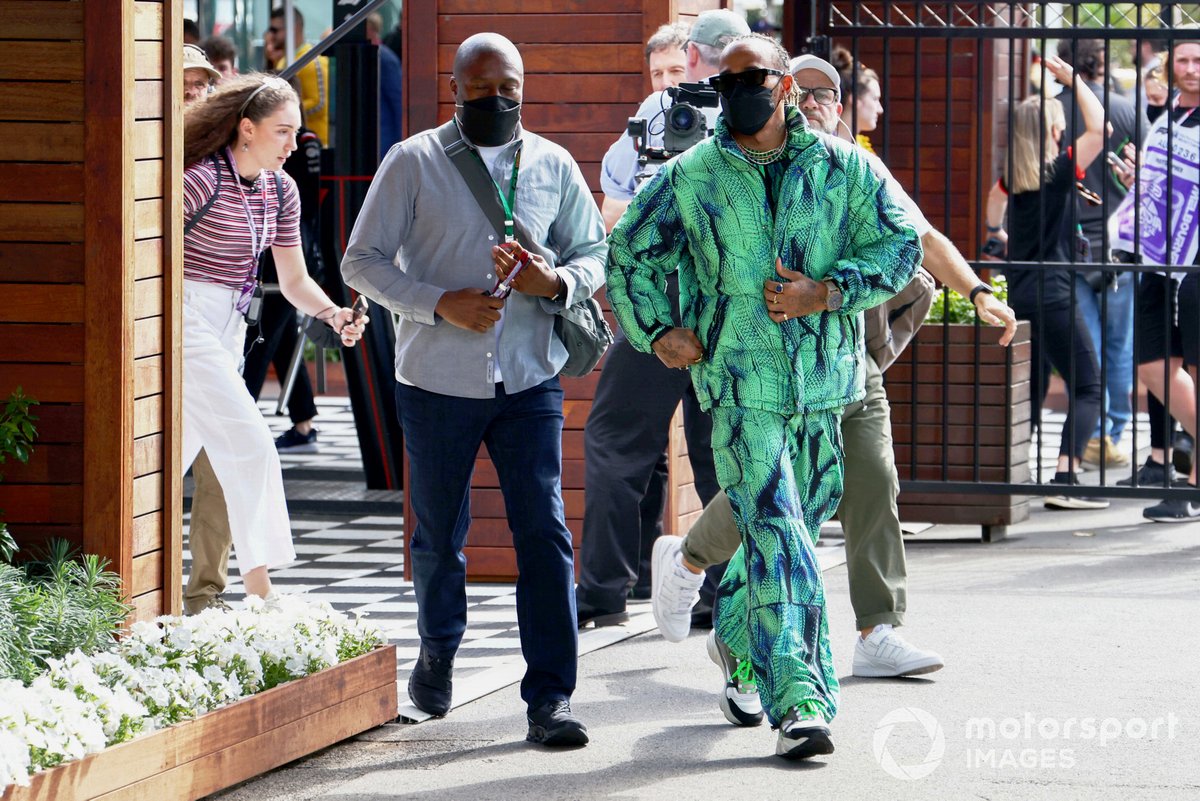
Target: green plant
{"x": 951, "y": 307}
{"x": 332, "y": 355}
{"x": 53, "y": 605}
{"x": 16, "y": 440}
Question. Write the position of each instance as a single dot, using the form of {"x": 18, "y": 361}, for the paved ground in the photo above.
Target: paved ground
{"x": 1071, "y": 673}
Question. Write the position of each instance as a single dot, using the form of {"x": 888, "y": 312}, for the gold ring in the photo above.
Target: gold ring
{"x": 775, "y": 300}
{"x": 785, "y": 315}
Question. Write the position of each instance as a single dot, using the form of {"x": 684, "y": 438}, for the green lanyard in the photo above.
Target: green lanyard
{"x": 506, "y": 202}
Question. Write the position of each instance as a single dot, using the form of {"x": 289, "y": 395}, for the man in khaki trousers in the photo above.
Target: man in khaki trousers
{"x": 209, "y": 537}
{"x": 209, "y": 540}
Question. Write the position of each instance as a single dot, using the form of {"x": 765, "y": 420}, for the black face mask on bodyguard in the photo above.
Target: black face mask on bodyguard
{"x": 747, "y": 109}
{"x": 489, "y": 121}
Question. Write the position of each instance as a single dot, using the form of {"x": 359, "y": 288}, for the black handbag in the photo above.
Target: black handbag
{"x": 581, "y": 327}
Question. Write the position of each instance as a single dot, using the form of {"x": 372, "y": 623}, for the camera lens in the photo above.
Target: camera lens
{"x": 681, "y": 119}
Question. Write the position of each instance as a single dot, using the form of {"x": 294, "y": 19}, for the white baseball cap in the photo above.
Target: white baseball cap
{"x": 811, "y": 62}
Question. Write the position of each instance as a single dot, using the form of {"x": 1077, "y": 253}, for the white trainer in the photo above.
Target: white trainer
{"x": 674, "y": 589}
{"x": 739, "y": 702}
{"x": 885, "y": 654}
{"x": 803, "y": 735}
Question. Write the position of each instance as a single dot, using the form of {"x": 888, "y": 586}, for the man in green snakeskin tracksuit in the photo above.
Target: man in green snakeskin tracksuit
{"x": 762, "y": 211}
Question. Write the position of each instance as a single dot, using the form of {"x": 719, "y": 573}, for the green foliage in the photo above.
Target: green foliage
{"x": 357, "y": 641}
{"x": 51, "y": 606}
{"x": 332, "y": 355}
{"x": 949, "y": 306}
{"x": 16, "y": 428}
{"x": 16, "y": 440}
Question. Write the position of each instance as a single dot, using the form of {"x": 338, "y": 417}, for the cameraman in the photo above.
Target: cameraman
{"x": 618, "y": 172}
{"x": 637, "y": 395}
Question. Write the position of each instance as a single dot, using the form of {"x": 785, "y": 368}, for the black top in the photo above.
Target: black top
{"x": 1039, "y": 229}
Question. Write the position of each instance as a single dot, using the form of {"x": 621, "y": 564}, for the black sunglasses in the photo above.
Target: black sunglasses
{"x": 726, "y": 81}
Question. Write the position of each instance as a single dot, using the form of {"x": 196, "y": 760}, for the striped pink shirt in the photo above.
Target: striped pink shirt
{"x": 219, "y": 249}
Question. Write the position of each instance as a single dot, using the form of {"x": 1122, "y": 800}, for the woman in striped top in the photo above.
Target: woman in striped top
{"x": 237, "y": 203}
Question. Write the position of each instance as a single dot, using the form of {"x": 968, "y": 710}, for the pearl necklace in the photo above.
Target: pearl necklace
{"x": 762, "y": 156}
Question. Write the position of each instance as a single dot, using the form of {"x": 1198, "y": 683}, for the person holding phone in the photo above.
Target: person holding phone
{"x": 237, "y": 203}
{"x": 1102, "y": 190}
{"x": 473, "y": 368}
{"x": 1038, "y": 194}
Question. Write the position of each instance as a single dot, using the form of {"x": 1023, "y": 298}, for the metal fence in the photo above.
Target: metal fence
{"x": 952, "y": 75}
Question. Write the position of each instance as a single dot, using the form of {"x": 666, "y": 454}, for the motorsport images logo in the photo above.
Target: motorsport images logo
{"x": 924, "y": 720}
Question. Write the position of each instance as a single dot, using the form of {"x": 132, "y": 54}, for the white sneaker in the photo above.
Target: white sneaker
{"x": 802, "y": 735}
{"x": 740, "y": 701}
{"x": 885, "y": 654}
{"x": 674, "y": 589}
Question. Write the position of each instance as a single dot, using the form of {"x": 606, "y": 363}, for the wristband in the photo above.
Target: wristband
{"x": 981, "y": 288}
{"x": 995, "y": 229}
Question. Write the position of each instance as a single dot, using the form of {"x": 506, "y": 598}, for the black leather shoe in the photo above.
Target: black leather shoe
{"x": 430, "y": 685}
{"x": 585, "y": 614}
{"x": 554, "y": 724}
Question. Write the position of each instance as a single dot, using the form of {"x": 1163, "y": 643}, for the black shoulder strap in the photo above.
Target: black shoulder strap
{"x": 474, "y": 173}
{"x": 200, "y": 212}
{"x": 279, "y": 198}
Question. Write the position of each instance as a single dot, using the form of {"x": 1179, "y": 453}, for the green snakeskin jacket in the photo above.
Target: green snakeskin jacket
{"x": 706, "y": 213}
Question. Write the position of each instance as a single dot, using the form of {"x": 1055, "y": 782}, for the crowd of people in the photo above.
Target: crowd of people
{"x": 1068, "y": 197}
{"x": 739, "y": 272}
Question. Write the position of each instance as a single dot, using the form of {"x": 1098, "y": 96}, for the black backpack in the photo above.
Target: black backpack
{"x": 200, "y": 212}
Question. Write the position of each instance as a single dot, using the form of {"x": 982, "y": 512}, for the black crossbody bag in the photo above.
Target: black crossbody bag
{"x": 581, "y": 327}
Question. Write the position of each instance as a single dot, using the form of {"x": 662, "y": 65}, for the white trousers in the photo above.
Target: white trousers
{"x": 220, "y": 416}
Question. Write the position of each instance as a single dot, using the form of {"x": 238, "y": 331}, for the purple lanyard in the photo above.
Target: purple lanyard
{"x": 256, "y": 245}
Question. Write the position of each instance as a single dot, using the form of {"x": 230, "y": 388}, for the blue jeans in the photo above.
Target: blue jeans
{"x": 1117, "y": 356}
{"x": 523, "y": 434}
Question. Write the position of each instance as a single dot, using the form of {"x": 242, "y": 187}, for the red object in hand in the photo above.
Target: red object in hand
{"x": 503, "y": 288}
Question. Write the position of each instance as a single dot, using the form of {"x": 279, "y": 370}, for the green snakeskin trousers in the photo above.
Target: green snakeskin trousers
{"x": 783, "y": 476}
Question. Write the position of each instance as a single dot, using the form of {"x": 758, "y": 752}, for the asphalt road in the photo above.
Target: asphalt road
{"x": 1071, "y": 651}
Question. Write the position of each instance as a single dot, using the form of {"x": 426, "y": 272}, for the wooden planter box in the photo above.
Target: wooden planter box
{"x": 958, "y": 403}
{"x": 229, "y": 745}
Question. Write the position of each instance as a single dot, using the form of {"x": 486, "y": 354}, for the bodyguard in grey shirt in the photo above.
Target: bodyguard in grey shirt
{"x": 420, "y": 208}
{"x": 478, "y": 370}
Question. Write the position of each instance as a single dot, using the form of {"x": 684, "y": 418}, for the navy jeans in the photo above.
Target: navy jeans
{"x": 523, "y": 434}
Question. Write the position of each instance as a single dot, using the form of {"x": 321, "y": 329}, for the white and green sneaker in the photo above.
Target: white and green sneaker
{"x": 739, "y": 696}
{"x": 802, "y": 734}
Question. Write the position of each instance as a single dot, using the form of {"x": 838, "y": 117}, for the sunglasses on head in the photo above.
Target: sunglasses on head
{"x": 726, "y": 81}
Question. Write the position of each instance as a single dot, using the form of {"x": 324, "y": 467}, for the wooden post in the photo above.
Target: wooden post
{"x": 109, "y": 300}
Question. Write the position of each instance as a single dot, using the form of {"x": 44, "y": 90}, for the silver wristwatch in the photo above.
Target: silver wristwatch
{"x": 833, "y": 301}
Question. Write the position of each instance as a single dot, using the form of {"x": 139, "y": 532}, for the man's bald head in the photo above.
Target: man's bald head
{"x": 486, "y": 65}
{"x": 485, "y": 47}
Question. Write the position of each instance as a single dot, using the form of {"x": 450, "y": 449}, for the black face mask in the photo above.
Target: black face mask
{"x": 747, "y": 109}
{"x": 489, "y": 121}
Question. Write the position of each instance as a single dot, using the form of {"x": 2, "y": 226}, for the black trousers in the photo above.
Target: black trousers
{"x": 1057, "y": 336}
{"x": 278, "y": 327}
{"x": 625, "y": 438}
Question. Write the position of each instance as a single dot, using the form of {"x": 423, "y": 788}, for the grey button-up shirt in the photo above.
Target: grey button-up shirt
{"x": 421, "y": 233}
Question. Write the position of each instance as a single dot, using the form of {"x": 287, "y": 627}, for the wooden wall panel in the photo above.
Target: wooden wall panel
{"x": 37, "y": 19}
{"x": 82, "y": 83}
{"x": 41, "y": 142}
